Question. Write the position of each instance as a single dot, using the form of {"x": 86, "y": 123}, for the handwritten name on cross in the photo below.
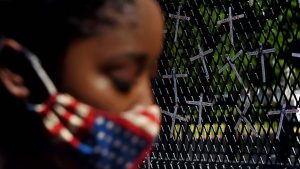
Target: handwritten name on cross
{"x": 174, "y": 76}
{"x": 243, "y": 118}
{"x": 297, "y": 55}
{"x": 174, "y": 116}
{"x": 200, "y": 105}
{"x": 178, "y": 17}
{"x": 261, "y": 53}
{"x": 202, "y": 57}
{"x": 283, "y": 112}
{"x": 230, "y": 63}
{"x": 230, "y": 20}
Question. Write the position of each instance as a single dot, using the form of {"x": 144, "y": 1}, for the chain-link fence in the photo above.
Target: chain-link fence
{"x": 229, "y": 85}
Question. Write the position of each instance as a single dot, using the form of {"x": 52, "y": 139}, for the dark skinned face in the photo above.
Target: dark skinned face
{"x": 112, "y": 70}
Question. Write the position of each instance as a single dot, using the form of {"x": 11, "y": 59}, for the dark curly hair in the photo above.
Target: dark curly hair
{"x": 47, "y": 28}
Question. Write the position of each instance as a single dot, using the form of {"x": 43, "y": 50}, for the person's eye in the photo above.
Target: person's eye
{"x": 121, "y": 85}
{"x": 124, "y": 73}
{"x": 123, "y": 76}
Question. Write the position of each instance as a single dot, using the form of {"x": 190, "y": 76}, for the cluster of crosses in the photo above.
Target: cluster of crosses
{"x": 260, "y": 53}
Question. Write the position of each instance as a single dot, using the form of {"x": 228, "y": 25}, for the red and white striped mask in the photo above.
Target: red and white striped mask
{"x": 126, "y": 137}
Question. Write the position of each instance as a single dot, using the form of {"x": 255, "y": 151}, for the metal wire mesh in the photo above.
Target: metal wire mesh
{"x": 229, "y": 85}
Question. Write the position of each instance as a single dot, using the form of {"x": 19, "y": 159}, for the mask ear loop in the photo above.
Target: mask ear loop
{"x": 34, "y": 61}
{"x": 64, "y": 134}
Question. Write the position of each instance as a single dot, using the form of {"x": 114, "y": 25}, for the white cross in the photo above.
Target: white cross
{"x": 261, "y": 53}
{"x": 282, "y": 113}
{"x": 202, "y": 57}
{"x": 200, "y": 105}
{"x": 178, "y": 17}
{"x": 230, "y": 62}
{"x": 174, "y": 76}
{"x": 229, "y": 20}
{"x": 232, "y": 59}
{"x": 174, "y": 116}
{"x": 242, "y": 117}
{"x": 297, "y": 55}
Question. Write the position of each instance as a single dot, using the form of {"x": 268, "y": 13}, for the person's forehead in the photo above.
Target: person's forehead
{"x": 143, "y": 25}
{"x": 138, "y": 13}
{"x": 137, "y": 35}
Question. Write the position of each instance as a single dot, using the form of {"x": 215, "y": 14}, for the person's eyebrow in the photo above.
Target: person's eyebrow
{"x": 140, "y": 60}
{"x": 139, "y": 57}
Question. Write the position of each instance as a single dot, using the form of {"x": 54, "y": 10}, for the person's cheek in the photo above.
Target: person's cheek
{"x": 143, "y": 94}
{"x": 102, "y": 84}
{"x": 105, "y": 96}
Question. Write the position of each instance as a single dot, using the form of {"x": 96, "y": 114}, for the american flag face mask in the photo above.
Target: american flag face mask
{"x": 111, "y": 141}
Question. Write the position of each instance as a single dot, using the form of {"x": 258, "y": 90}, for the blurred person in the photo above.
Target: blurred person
{"x": 75, "y": 86}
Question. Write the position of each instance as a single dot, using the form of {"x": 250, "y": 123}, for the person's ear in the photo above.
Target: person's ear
{"x": 14, "y": 83}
